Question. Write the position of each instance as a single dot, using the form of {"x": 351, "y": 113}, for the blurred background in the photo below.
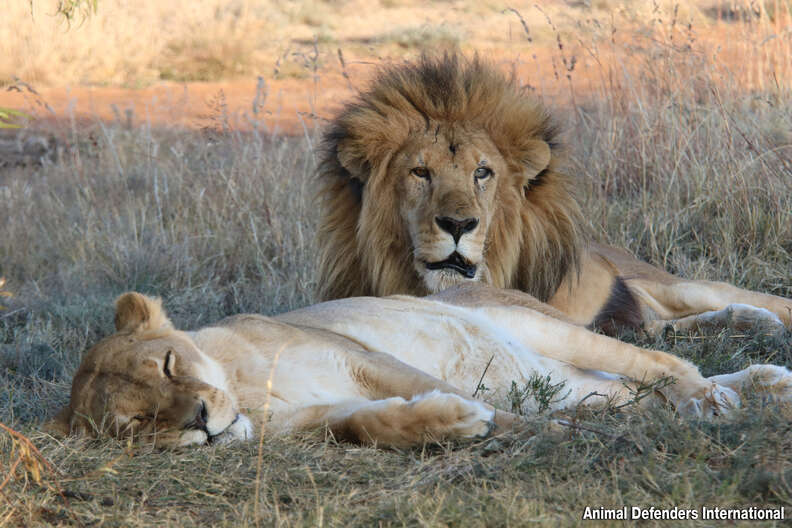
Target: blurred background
{"x": 294, "y": 60}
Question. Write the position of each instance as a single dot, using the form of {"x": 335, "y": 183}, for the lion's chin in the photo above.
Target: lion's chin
{"x": 454, "y": 262}
{"x": 441, "y": 279}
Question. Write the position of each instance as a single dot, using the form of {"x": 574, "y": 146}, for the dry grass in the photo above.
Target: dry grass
{"x": 139, "y": 43}
{"x": 673, "y": 161}
{"x": 698, "y": 180}
{"x": 425, "y": 37}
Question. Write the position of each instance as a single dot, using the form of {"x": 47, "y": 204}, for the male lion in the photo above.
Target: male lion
{"x": 446, "y": 172}
{"x": 394, "y": 371}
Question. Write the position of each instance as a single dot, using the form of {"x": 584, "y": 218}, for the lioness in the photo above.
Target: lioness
{"x": 394, "y": 371}
{"x": 446, "y": 172}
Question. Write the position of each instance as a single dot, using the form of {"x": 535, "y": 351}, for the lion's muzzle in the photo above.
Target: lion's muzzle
{"x": 455, "y": 262}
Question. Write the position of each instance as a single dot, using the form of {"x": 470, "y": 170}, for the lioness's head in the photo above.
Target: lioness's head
{"x": 444, "y": 171}
{"x": 150, "y": 381}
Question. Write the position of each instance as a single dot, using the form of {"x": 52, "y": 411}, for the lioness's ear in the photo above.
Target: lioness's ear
{"x": 536, "y": 157}
{"x": 136, "y": 312}
{"x": 60, "y": 424}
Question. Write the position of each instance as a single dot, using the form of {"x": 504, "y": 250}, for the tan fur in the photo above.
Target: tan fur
{"x": 134, "y": 312}
{"x": 378, "y": 231}
{"x": 394, "y": 371}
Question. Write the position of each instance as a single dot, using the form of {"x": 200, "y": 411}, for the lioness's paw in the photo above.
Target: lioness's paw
{"x": 456, "y": 416}
{"x": 474, "y": 420}
{"x": 240, "y": 429}
{"x": 768, "y": 380}
{"x": 773, "y": 380}
{"x": 714, "y": 400}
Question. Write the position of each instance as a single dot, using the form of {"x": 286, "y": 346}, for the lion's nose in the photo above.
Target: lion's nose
{"x": 456, "y": 228}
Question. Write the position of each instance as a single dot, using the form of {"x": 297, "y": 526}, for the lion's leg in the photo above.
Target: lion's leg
{"x": 397, "y": 422}
{"x": 584, "y": 349}
{"x": 740, "y": 317}
{"x": 667, "y": 300}
{"x": 688, "y": 305}
{"x": 772, "y": 380}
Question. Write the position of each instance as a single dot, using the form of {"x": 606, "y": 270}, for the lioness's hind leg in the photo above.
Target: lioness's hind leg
{"x": 772, "y": 380}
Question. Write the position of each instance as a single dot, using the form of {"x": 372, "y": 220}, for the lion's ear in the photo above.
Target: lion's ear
{"x": 536, "y": 157}
{"x": 351, "y": 158}
{"x": 136, "y": 313}
{"x": 60, "y": 424}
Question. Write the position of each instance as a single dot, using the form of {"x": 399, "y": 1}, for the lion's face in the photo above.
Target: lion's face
{"x": 152, "y": 382}
{"x": 447, "y": 181}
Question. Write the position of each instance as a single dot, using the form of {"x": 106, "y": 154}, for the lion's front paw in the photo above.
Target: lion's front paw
{"x": 745, "y": 317}
{"x": 710, "y": 401}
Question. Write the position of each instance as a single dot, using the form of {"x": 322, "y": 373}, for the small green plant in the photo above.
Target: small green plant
{"x": 540, "y": 388}
{"x": 644, "y": 389}
{"x": 8, "y": 116}
{"x": 71, "y": 9}
{"x": 481, "y": 388}
{"x": 3, "y": 291}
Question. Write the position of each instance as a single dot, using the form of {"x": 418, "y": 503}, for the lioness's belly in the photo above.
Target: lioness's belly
{"x": 457, "y": 345}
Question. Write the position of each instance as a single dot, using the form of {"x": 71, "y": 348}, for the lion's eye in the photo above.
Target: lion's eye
{"x": 482, "y": 173}
{"x": 421, "y": 172}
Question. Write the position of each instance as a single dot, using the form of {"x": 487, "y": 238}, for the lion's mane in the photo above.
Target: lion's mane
{"x": 364, "y": 246}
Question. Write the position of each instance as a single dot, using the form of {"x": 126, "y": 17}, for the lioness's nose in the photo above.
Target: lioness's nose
{"x": 456, "y": 228}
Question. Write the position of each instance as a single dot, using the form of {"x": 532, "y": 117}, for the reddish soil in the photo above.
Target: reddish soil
{"x": 292, "y": 105}
{"x": 190, "y": 105}
{"x": 284, "y": 105}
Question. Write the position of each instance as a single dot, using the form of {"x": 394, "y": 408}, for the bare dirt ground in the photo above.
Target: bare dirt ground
{"x": 285, "y": 105}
